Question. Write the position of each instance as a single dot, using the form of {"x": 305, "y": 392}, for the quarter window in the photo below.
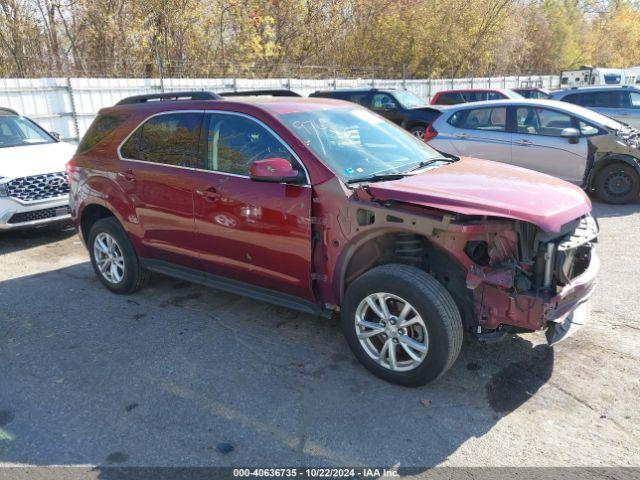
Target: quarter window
{"x": 171, "y": 139}
{"x": 235, "y": 142}
{"x": 542, "y": 121}
{"x": 635, "y": 99}
{"x": 102, "y": 127}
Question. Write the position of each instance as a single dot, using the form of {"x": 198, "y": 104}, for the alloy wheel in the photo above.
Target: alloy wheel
{"x": 108, "y": 257}
{"x": 391, "y": 331}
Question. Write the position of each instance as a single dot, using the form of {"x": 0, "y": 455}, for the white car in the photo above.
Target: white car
{"x": 33, "y": 182}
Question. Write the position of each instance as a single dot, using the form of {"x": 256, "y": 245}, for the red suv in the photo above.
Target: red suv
{"x": 323, "y": 206}
{"x": 455, "y": 97}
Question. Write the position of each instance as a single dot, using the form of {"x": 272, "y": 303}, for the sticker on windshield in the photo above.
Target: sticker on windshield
{"x": 348, "y": 171}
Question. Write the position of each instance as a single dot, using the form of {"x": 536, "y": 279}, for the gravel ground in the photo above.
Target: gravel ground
{"x": 179, "y": 374}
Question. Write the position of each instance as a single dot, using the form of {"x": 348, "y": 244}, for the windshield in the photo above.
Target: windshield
{"x": 409, "y": 100}
{"x": 356, "y": 143}
{"x": 19, "y": 131}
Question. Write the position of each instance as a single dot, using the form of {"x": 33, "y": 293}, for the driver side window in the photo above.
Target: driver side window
{"x": 234, "y": 142}
{"x": 381, "y": 102}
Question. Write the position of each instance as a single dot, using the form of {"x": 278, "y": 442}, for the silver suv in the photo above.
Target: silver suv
{"x": 621, "y": 103}
{"x": 564, "y": 140}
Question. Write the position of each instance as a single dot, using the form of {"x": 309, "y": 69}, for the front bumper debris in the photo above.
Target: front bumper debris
{"x": 558, "y": 332}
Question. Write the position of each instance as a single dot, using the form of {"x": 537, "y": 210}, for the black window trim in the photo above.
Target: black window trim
{"x": 202, "y": 129}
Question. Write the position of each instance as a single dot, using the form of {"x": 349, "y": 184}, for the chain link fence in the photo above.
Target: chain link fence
{"x": 67, "y": 104}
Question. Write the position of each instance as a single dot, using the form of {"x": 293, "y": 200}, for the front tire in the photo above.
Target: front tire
{"x": 617, "y": 183}
{"x": 402, "y": 324}
{"x": 114, "y": 259}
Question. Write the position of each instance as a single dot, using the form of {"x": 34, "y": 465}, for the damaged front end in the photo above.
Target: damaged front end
{"x": 530, "y": 279}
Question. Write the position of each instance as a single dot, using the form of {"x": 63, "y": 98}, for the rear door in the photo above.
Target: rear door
{"x": 254, "y": 232}
{"x": 538, "y": 144}
{"x": 481, "y": 133}
{"x": 157, "y": 174}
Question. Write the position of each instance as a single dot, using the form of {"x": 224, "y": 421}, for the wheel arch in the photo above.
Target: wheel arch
{"x": 90, "y": 214}
{"x": 608, "y": 160}
{"x": 378, "y": 247}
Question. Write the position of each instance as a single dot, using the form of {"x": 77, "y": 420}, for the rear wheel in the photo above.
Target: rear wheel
{"x": 617, "y": 183}
{"x": 402, "y": 324}
{"x": 418, "y": 131}
{"x": 113, "y": 258}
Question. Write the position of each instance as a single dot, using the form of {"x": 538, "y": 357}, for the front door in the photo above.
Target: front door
{"x": 157, "y": 174}
{"x": 385, "y": 105}
{"x": 538, "y": 144}
{"x": 254, "y": 232}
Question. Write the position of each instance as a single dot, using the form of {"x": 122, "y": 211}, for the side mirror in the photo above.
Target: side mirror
{"x": 55, "y": 135}
{"x": 570, "y": 132}
{"x": 275, "y": 170}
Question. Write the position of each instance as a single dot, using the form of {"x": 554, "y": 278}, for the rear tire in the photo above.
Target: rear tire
{"x": 418, "y": 131}
{"x": 617, "y": 183}
{"x": 114, "y": 259}
{"x": 423, "y": 325}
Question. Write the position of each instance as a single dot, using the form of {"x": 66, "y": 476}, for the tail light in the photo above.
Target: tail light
{"x": 429, "y": 133}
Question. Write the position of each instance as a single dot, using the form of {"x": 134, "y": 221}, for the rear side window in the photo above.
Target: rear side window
{"x": 614, "y": 99}
{"x": 171, "y": 139}
{"x": 452, "y": 98}
{"x": 360, "y": 99}
{"x": 101, "y": 128}
{"x": 610, "y": 99}
{"x": 495, "y": 96}
{"x": 488, "y": 119}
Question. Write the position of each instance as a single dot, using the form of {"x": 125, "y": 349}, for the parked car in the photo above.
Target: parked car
{"x": 533, "y": 92}
{"x": 33, "y": 184}
{"x": 400, "y": 106}
{"x": 621, "y": 103}
{"x": 455, "y": 97}
{"x": 325, "y": 207}
{"x": 578, "y": 145}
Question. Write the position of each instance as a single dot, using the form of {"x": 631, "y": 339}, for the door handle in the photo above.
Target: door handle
{"x": 127, "y": 175}
{"x": 524, "y": 143}
{"x": 210, "y": 194}
{"x": 461, "y": 135}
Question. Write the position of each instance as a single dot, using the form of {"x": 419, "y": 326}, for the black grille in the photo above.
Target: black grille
{"x": 39, "y": 187}
{"x": 38, "y": 214}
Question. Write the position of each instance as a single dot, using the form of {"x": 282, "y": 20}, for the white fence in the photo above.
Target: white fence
{"x": 68, "y": 105}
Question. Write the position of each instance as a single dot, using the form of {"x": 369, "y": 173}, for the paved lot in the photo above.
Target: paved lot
{"x": 165, "y": 376}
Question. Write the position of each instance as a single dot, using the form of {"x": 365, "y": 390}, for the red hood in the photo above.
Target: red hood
{"x": 480, "y": 187}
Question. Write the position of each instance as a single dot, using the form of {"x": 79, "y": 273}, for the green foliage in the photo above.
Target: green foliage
{"x": 432, "y": 38}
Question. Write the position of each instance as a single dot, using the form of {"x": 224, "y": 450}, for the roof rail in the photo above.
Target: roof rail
{"x": 255, "y": 93}
{"x": 196, "y": 95}
{"x": 9, "y": 111}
